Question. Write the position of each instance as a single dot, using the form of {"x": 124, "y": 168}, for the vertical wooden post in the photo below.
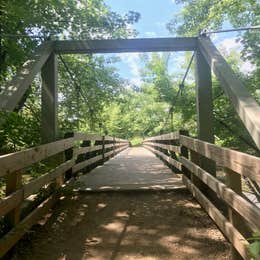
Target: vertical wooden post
{"x": 68, "y": 156}
{"x": 49, "y": 74}
{"x": 13, "y": 183}
{"x": 233, "y": 181}
{"x": 204, "y": 108}
{"x": 103, "y": 148}
{"x": 86, "y": 156}
{"x": 114, "y": 142}
{"x": 185, "y": 153}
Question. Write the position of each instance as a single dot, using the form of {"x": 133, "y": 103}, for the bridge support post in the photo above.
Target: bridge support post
{"x": 233, "y": 181}
{"x": 49, "y": 75}
{"x": 204, "y": 105}
{"x": 13, "y": 183}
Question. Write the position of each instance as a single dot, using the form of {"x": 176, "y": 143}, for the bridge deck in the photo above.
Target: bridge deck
{"x": 134, "y": 169}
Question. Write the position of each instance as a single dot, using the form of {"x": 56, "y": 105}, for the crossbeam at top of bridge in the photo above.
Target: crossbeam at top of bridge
{"x": 126, "y": 45}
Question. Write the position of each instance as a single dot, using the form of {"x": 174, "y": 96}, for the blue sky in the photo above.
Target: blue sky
{"x": 155, "y": 14}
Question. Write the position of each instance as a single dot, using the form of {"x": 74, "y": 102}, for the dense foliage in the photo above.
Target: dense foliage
{"x": 93, "y": 97}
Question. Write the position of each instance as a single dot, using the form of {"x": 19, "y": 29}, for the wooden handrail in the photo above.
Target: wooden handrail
{"x": 10, "y": 165}
{"x": 18, "y": 160}
{"x": 170, "y": 136}
{"x": 244, "y": 164}
{"x": 194, "y": 176}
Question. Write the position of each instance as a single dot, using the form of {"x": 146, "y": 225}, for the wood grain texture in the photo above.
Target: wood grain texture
{"x": 35, "y": 185}
{"x": 172, "y": 148}
{"x": 126, "y": 45}
{"x": 8, "y": 241}
{"x": 244, "y": 164}
{"x": 246, "y": 209}
{"x": 19, "y": 160}
{"x": 237, "y": 240}
{"x": 10, "y": 202}
{"x": 244, "y": 104}
{"x": 170, "y": 136}
{"x": 166, "y": 158}
{"x": 13, "y": 92}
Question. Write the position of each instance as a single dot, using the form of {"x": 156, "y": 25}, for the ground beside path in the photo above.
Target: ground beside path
{"x": 125, "y": 225}
{"x": 135, "y": 168}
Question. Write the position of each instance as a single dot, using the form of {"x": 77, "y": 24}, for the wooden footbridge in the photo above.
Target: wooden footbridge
{"x": 188, "y": 162}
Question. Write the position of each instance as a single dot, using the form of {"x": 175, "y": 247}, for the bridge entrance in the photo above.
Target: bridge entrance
{"x": 194, "y": 159}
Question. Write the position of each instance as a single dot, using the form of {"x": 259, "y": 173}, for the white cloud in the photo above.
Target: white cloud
{"x": 229, "y": 45}
{"x": 133, "y": 62}
{"x": 150, "y": 34}
{"x": 247, "y": 67}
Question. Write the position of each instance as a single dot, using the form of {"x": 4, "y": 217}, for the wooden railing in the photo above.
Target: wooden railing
{"x": 81, "y": 153}
{"x": 237, "y": 217}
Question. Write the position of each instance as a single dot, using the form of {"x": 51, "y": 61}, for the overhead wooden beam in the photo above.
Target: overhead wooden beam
{"x": 12, "y": 93}
{"x": 126, "y": 45}
{"x": 244, "y": 104}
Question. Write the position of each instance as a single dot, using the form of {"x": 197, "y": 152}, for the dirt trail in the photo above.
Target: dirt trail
{"x": 129, "y": 225}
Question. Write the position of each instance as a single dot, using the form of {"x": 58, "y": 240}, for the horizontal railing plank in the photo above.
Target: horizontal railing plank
{"x": 121, "y": 140}
{"x": 13, "y": 200}
{"x": 247, "y": 210}
{"x": 87, "y": 137}
{"x": 19, "y": 160}
{"x": 169, "y": 147}
{"x": 86, "y": 163}
{"x": 108, "y": 138}
{"x": 244, "y": 164}
{"x": 35, "y": 185}
{"x": 8, "y": 241}
{"x": 170, "y": 136}
{"x": 166, "y": 158}
{"x": 87, "y": 149}
{"x": 233, "y": 235}
{"x": 10, "y": 202}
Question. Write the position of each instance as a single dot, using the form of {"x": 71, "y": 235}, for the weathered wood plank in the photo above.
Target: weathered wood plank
{"x": 10, "y": 202}
{"x": 85, "y": 163}
{"x": 109, "y": 138}
{"x": 249, "y": 211}
{"x": 244, "y": 104}
{"x": 8, "y": 241}
{"x": 19, "y": 160}
{"x": 233, "y": 181}
{"x": 119, "y": 140}
{"x": 172, "y": 148}
{"x": 13, "y": 92}
{"x": 170, "y": 136}
{"x": 204, "y": 106}
{"x": 168, "y": 159}
{"x": 87, "y": 149}
{"x": 238, "y": 241}
{"x": 244, "y": 164}
{"x": 126, "y": 45}
{"x": 49, "y": 97}
{"x": 13, "y": 183}
{"x": 35, "y": 185}
{"x": 85, "y": 137}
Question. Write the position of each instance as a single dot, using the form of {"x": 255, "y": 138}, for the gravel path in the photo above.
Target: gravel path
{"x": 125, "y": 225}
